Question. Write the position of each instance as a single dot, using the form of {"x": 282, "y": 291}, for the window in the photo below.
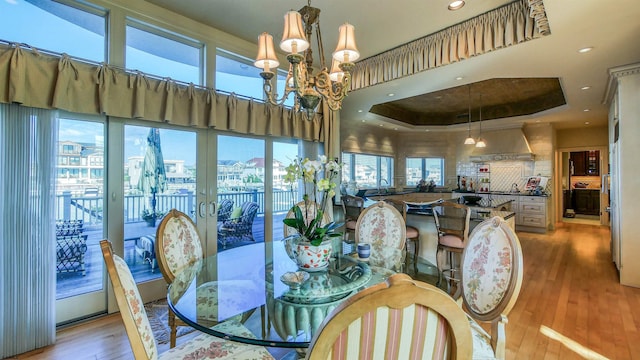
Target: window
{"x": 425, "y": 168}
{"x": 163, "y": 53}
{"x": 236, "y": 74}
{"x": 79, "y": 32}
{"x": 368, "y": 171}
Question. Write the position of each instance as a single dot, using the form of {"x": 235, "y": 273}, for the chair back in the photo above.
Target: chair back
{"x": 352, "y": 206}
{"x": 135, "y": 319}
{"x": 491, "y": 270}
{"x": 397, "y": 319}
{"x": 382, "y": 226}
{"x": 249, "y": 212}
{"x": 452, "y": 219}
{"x": 309, "y": 212}
{"x": 177, "y": 244}
{"x": 225, "y": 207}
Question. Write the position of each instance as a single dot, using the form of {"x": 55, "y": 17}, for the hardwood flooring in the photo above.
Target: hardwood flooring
{"x": 571, "y": 306}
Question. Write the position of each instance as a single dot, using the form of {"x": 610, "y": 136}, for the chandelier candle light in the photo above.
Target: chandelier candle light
{"x": 469, "y": 140}
{"x": 330, "y": 85}
{"x": 480, "y": 143}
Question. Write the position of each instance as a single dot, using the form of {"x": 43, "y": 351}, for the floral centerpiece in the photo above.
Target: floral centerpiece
{"x": 319, "y": 186}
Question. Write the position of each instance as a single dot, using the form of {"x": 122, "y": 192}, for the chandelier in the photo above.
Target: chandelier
{"x": 309, "y": 88}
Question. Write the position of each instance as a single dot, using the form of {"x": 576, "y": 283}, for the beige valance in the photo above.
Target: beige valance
{"x": 506, "y": 26}
{"x": 40, "y": 79}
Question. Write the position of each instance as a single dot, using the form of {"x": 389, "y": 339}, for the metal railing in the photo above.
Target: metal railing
{"x": 89, "y": 208}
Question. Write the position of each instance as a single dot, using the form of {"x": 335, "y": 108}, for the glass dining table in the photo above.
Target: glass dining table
{"x": 239, "y": 294}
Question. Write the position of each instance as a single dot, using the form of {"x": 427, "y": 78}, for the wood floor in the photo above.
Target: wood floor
{"x": 571, "y": 307}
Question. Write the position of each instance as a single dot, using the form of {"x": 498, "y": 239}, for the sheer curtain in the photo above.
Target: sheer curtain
{"x": 27, "y": 250}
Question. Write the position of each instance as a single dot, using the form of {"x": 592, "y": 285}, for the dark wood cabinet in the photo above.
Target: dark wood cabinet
{"x": 585, "y": 163}
{"x": 586, "y": 201}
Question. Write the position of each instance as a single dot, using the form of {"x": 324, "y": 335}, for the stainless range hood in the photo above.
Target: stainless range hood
{"x": 508, "y": 144}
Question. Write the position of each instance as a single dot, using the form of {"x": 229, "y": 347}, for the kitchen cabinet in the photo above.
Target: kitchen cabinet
{"x": 586, "y": 201}
{"x": 585, "y": 163}
{"x": 531, "y": 215}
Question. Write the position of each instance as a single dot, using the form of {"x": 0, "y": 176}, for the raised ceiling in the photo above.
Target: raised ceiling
{"x": 496, "y": 98}
{"x": 612, "y": 31}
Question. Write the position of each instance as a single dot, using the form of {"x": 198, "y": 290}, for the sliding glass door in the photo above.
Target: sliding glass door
{"x": 79, "y": 217}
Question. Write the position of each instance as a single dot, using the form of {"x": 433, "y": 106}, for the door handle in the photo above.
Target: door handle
{"x": 202, "y": 211}
{"x": 212, "y": 208}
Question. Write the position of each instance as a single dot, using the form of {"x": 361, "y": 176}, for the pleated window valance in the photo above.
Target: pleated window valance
{"x": 41, "y": 79}
{"x": 506, "y": 26}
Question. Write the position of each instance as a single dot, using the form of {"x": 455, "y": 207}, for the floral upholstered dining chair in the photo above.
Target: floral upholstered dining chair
{"x": 177, "y": 246}
{"x": 383, "y": 226}
{"x": 138, "y": 328}
{"x": 491, "y": 280}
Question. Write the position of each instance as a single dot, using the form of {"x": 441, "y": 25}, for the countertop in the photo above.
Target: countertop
{"x": 375, "y": 193}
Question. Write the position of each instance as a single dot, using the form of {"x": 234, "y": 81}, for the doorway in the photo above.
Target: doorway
{"x": 581, "y": 174}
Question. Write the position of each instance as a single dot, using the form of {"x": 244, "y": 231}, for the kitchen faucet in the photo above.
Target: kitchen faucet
{"x": 386, "y": 190}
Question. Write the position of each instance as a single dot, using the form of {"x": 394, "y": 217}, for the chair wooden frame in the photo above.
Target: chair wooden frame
{"x": 444, "y": 250}
{"x": 137, "y": 346}
{"x": 165, "y": 268}
{"x": 497, "y": 314}
{"x": 398, "y": 292}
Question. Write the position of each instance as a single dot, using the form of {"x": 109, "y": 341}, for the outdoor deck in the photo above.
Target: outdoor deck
{"x": 73, "y": 283}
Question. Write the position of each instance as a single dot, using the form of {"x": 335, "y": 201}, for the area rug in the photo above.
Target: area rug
{"x": 158, "y": 313}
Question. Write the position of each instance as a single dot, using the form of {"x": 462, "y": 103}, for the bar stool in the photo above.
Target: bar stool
{"x": 352, "y": 206}
{"x": 452, "y": 224}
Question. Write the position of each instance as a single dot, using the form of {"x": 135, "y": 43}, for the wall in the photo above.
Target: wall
{"x": 582, "y": 137}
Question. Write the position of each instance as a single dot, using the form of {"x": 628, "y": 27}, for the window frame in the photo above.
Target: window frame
{"x": 378, "y": 169}
{"x": 423, "y": 169}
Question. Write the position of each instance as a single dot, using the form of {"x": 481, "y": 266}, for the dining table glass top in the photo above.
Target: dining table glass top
{"x": 239, "y": 294}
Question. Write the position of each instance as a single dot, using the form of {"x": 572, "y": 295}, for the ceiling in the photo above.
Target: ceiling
{"x": 538, "y": 81}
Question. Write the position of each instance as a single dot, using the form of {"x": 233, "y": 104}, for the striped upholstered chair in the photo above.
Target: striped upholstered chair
{"x": 397, "y": 319}
{"x": 138, "y": 328}
{"x": 491, "y": 280}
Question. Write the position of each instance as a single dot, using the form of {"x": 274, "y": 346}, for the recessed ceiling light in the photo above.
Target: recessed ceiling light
{"x": 459, "y": 78}
{"x": 364, "y": 120}
{"x": 537, "y": 121}
{"x": 585, "y": 50}
{"x": 391, "y": 94}
{"x": 360, "y": 110}
{"x": 586, "y": 123}
{"x": 427, "y": 130}
{"x": 381, "y": 125}
{"x": 455, "y": 5}
{"x": 585, "y": 87}
{"x": 395, "y": 128}
{"x": 586, "y": 110}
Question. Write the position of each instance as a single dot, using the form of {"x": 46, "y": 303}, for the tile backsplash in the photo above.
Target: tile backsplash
{"x": 502, "y": 174}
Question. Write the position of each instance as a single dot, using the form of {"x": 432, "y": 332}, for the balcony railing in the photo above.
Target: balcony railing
{"x": 89, "y": 208}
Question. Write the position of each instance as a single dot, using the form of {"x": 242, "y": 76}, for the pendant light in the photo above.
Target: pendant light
{"x": 480, "y": 143}
{"x": 469, "y": 140}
